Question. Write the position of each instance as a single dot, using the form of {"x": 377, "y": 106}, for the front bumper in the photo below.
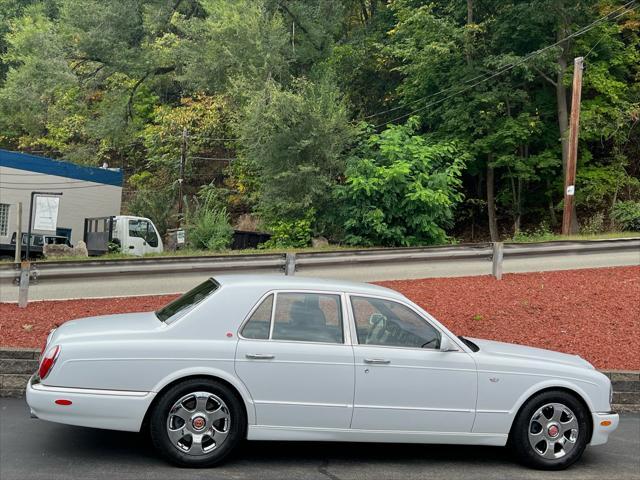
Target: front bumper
{"x": 604, "y": 424}
{"x": 109, "y": 409}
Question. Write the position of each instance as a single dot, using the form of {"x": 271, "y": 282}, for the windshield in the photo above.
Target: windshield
{"x": 188, "y": 300}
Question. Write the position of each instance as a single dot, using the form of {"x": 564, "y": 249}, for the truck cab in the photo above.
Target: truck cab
{"x": 136, "y": 235}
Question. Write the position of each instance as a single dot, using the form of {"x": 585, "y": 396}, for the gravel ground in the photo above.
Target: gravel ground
{"x": 594, "y": 313}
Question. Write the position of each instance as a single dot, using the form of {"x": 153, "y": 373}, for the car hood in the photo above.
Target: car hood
{"x": 503, "y": 349}
{"x": 111, "y": 325}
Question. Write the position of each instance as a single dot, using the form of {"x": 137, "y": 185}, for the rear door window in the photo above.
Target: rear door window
{"x": 259, "y": 324}
{"x": 300, "y": 317}
{"x": 308, "y": 317}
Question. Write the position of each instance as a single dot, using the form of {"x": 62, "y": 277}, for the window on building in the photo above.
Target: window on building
{"x": 4, "y": 218}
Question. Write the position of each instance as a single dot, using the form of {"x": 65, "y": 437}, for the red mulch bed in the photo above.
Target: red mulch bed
{"x": 594, "y": 313}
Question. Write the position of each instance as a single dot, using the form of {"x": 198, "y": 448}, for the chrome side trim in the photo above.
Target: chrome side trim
{"x": 302, "y": 404}
{"x": 88, "y": 391}
{"x": 360, "y": 430}
{"x": 421, "y": 409}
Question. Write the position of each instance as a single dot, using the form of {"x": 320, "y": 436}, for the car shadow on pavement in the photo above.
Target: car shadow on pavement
{"x": 73, "y": 451}
{"x": 126, "y": 446}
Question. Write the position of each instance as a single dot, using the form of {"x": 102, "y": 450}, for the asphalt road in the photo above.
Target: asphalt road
{"x": 132, "y": 285}
{"x": 33, "y": 449}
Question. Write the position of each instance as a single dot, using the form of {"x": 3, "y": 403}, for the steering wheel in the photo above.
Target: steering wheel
{"x": 379, "y": 323}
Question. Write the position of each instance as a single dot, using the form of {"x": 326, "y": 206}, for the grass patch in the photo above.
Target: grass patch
{"x": 550, "y": 237}
{"x": 187, "y": 252}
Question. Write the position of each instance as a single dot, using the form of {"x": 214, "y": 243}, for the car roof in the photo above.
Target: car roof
{"x": 289, "y": 282}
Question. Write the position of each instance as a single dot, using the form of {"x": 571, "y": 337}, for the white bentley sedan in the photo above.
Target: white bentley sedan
{"x": 289, "y": 358}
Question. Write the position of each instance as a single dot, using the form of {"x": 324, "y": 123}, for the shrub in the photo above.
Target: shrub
{"x": 209, "y": 229}
{"x": 542, "y": 233}
{"x": 594, "y": 224}
{"x": 289, "y": 234}
{"x": 626, "y": 215}
{"x": 155, "y": 204}
{"x": 401, "y": 189}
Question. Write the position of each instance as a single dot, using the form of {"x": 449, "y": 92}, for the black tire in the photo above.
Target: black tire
{"x": 160, "y": 414}
{"x": 519, "y": 435}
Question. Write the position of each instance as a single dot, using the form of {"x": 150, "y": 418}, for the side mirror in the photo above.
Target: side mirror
{"x": 446, "y": 345}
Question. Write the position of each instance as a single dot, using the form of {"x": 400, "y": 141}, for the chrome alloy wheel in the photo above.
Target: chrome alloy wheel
{"x": 198, "y": 423}
{"x": 553, "y": 431}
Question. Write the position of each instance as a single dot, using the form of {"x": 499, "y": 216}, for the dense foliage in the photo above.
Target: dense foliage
{"x": 375, "y": 122}
{"x": 400, "y": 189}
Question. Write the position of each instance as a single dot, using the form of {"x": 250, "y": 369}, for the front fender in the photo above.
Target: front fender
{"x": 497, "y": 412}
{"x": 547, "y": 384}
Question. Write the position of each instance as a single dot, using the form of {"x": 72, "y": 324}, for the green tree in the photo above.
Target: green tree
{"x": 401, "y": 189}
{"x": 295, "y": 139}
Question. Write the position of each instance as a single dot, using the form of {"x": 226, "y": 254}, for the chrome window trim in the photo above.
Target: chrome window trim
{"x": 272, "y": 320}
{"x": 344, "y": 319}
{"x": 346, "y": 322}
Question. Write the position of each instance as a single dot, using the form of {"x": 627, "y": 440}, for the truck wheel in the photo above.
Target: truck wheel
{"x": 551, "y": 431}
{"x": 197, "y": 423}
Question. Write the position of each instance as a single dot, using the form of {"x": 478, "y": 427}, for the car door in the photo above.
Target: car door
{"x": 295, "y": 359}
{"x": 152, "y": 238}
{"x": 137, "y": 231}
{"x": 404, "y": 382}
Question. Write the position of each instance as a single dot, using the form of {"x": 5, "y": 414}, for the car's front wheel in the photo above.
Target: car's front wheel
{"x": 551, "y": 431}
{"x": 197, "y": 423}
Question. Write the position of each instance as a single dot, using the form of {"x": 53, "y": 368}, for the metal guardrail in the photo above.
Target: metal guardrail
{"x": 289, "y": 263}
{"x": 146, "y": 266}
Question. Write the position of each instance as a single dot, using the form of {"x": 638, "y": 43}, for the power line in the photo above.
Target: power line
{"x": 526, "y": 58}
{"x": 509, "y": 67}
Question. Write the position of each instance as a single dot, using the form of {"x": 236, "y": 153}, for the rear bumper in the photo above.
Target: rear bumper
{"x": 109, "y": 409}
{"x": 603, "y": 425}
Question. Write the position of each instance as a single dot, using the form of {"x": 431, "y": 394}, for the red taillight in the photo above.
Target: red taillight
{"x": 47, "y": 362}
{"x": 46, "y": 342}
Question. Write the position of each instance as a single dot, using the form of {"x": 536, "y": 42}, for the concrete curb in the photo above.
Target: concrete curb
{"x": 18, "y": 364}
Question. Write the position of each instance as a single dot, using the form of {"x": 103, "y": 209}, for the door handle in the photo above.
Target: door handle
{"x": 260, "y": 356}
{"x": 379, "y": 361}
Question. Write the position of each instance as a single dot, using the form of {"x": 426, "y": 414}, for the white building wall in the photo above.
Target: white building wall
{"x": 80, "y": 199}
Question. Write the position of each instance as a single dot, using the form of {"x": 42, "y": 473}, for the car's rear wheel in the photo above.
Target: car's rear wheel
{"x": 551, "y": 431}
{"x": 197, "y": 423}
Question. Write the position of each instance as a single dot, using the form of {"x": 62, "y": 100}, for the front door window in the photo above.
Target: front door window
{"x": 143, "y": 229}
{"x": 388, "y": 323}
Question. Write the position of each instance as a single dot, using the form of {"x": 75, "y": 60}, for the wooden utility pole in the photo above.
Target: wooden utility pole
{"x": 183, "y": 160}
{"x": 574, "y": 129}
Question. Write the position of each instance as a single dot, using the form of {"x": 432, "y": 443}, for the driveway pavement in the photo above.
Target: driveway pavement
{"x": 34, "y": 449}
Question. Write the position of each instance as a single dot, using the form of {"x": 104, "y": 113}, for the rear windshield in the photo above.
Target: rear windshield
{"x": 188, "y": 300}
